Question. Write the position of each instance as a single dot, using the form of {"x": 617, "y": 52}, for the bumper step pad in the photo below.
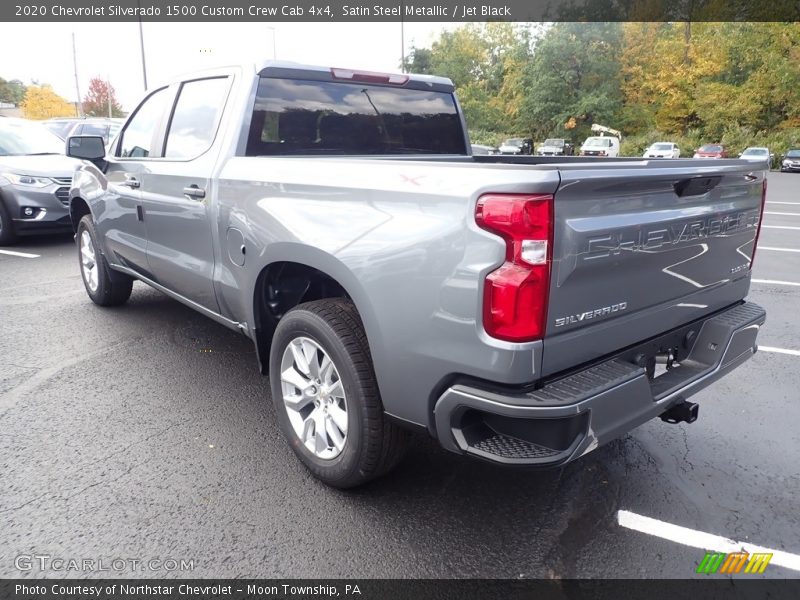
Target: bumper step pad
{"x": 507, "y": 447}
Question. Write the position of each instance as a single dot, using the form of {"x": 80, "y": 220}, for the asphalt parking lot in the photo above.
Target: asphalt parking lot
{"x": 147, "y": 432}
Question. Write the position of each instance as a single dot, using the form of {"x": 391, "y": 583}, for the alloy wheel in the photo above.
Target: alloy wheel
{"x": 314, "y": 398}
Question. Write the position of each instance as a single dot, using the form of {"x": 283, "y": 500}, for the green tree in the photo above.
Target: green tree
{"x": 12, "y": 91}
{"x": 485, "y": 63}
{"x": 419, "y": 61}
{"x": 574, "y": 74}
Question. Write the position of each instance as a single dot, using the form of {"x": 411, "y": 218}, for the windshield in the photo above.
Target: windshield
{"x": 755, "y": 152}
{"x": 793, "y": 154}
{"x": 711, "y": 148}
{"x": 661, "y": 147}
{"x": 513, "y": 142}
{"x": 26, "y": 137}
{"x": 602, "y": 142}
{"x": 557, "y": 143}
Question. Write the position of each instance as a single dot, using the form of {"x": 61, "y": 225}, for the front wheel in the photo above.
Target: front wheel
{"x": 326, "y": 396}
{"x": 104, "y": 286}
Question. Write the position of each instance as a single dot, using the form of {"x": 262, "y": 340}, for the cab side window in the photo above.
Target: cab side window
{"x": 194, "y": 122}
{"x": 137, "y": 139}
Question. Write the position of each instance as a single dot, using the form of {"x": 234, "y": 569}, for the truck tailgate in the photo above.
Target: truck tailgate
{"x": 642, "y": 249}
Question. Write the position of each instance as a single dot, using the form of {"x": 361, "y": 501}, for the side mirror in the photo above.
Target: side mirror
{"x": 86, "y": 147}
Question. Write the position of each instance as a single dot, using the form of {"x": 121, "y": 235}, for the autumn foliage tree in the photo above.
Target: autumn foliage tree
{"x": 96, "y": 101}
{"x": 41, "y": 102}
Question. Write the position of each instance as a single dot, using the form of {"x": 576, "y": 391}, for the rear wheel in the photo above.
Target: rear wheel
{"x": 7, "y": 233}
{"x": 104, "y": 286}
{"x": 326, "y": 397}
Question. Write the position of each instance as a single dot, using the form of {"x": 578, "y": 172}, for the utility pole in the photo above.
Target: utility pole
{"x": 78, "y": 105}
{"x": 108, "y": 94}
{"x": 274, "y": 43}
{"x": 402, "y": 39}
{"x": 141, "y": 45}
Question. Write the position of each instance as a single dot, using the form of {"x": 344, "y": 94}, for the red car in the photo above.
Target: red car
{"x": 711, "y": 151}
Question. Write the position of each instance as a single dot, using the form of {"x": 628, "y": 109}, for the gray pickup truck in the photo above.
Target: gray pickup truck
{"x": 523, "y": 310}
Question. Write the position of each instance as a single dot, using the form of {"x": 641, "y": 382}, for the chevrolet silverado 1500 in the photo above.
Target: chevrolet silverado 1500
{"x": 523, "y": 310}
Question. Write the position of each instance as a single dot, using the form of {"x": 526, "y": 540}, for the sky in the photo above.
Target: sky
{"x": 43, "y": 51}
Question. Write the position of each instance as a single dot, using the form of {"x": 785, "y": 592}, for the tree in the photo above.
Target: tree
{"x": 574, "y": 78}
{"x": 96, "y": 101}
{"x": 485, "y": 63}
{"x": 419, "y": 61}
{"x": 11, "y": 91}
{"x": 41, "y": 102}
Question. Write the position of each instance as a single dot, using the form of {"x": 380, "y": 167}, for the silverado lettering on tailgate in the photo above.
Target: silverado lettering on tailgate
{"x": 591, "y": 314}
{"x": 635, "y": 239}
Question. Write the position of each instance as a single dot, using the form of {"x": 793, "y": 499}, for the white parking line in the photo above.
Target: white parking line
{"x": 779, "y": 249}
{"x": 702, "y": 540}
{"x": 775, "y": 202}
{"x": 776, "y": 282}
{"x": 779, "y": 350}
{"x": 20, "y": 254}
{"x": 768, "y": 212}
{"x": 778, "y": 227}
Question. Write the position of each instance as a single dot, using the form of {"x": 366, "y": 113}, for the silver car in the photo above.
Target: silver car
{"x": 34, "y": 180}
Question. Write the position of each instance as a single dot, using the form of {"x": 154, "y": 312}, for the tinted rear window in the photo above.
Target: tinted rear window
{"x": 295, "y": 117}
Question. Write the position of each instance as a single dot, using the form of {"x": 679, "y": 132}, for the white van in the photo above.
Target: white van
{"x": 604, "y": 145}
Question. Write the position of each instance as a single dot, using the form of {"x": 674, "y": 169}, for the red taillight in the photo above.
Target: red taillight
{"x": 515, "y": 295}
{"x": 369, "y": 76}
{"x": 760, "y": 218}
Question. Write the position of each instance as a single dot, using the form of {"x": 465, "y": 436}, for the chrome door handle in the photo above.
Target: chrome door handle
{"x": 131, "y": 182}
{"x": 194, "y": 192}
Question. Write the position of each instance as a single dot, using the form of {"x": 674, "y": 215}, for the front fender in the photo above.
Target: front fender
{"x": 88, "y": 184}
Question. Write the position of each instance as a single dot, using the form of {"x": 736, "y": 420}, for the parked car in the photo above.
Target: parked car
{"x": 479, "y": 149}
{"x": 34, "y": 180}
{"x": 711, "y": 151}
{"x": 555, "y": 147}
{"x": 104, "y": 127}
{"x": 791, "y": 161}
{"x": 517, "y": 146}
{"x": 757, "y": 153}
{"x": 515, "y": 311}
{"x": 662, "y": 150}
{"x": 60, "y": 126}
{"x": 604, "y": 145}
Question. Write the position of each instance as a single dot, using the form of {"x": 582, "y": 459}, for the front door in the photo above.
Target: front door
{"x": 122, "y": 225}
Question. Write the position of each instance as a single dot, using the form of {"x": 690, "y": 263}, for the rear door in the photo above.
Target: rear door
{"x": 639, "y": 250}
{"x": 176, "y": 192}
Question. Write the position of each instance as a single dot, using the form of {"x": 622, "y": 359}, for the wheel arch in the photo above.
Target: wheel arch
{"x": 78, "y": 208}
{"x": 288, "y": 280}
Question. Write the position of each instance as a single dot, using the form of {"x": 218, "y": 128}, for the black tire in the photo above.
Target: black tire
{"x": 7, "y": 233}
{"x": 373, "y": 443}
{"x": 113, "y": 288}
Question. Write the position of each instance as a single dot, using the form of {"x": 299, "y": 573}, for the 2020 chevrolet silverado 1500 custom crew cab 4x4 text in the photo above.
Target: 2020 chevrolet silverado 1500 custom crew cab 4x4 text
{"x": 513, "y": 307}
